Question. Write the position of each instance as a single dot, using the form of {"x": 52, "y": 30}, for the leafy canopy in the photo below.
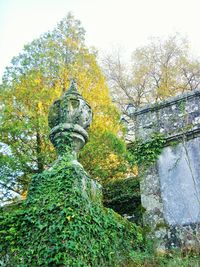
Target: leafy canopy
{"x": 162, "y": 68}
{"x": 38, "y": 76}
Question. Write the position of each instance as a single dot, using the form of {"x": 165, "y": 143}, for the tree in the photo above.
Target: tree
{"x": 118, "y": 77}
{"x": 37, "y": 77}
{"x": 158, "y": 70}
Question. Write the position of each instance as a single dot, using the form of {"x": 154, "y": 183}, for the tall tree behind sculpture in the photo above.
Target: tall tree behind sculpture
{"x": 35, "y": 78}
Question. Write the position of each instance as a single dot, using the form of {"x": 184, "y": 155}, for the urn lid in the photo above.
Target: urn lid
{"x": 70, "y": 108}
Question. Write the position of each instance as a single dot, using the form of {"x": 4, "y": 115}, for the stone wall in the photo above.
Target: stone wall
{"x": 173, "y": 117}
{"x": 170, "y": 188}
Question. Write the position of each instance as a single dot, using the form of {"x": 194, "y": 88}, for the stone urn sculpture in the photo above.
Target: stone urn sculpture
{"x": 69, "y": 118}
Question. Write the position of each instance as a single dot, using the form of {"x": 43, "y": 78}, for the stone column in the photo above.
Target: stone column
{"x": 69, "y": 118}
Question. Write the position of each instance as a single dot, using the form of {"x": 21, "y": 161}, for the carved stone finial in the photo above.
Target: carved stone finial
{"x": 73, "y": 88}
{"x": 69, "y": 118}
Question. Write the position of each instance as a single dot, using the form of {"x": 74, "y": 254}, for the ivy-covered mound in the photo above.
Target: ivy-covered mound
{"x": 61, "y": 225}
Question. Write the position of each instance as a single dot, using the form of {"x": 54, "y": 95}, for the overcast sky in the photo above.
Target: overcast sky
{"x": 108, "y": 23}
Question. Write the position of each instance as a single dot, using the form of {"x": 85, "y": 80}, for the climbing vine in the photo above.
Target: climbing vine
{"x": 143, "y": 153}
{"x": 60, "y": 225}
{"x": 123, "y": 195}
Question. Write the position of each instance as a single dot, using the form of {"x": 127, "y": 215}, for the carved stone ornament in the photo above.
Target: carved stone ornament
{"x": 69, "y": 118}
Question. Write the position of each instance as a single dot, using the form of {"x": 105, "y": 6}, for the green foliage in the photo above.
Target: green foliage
{"x": 59, "y": 225}
{"x": 49, "y": 54}
{"x": 182, "y": 105}
{"x": 123, "y": 196}
{"x": 168, "y": 259}
{"x": 104, "y": 156}
{"x": 145, "y": 153}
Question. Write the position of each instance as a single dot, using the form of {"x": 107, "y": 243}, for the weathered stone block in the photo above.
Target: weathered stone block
{"x": 170, "y": 188}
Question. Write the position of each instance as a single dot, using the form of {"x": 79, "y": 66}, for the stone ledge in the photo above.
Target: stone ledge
{"x": 176, "y": 117}
{"x": 168, "y": 102}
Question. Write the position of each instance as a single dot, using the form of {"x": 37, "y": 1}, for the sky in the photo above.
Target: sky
{"x": 108, "y": 23}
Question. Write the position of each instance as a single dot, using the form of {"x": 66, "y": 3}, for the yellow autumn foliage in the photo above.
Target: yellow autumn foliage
{"x": 41, "y": 74}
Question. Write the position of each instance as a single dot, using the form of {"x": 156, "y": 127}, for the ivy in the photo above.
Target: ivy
{"x": 61, "y": 225}
{"x": 143, "y": 153}
{"x": 123, "y": 196}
